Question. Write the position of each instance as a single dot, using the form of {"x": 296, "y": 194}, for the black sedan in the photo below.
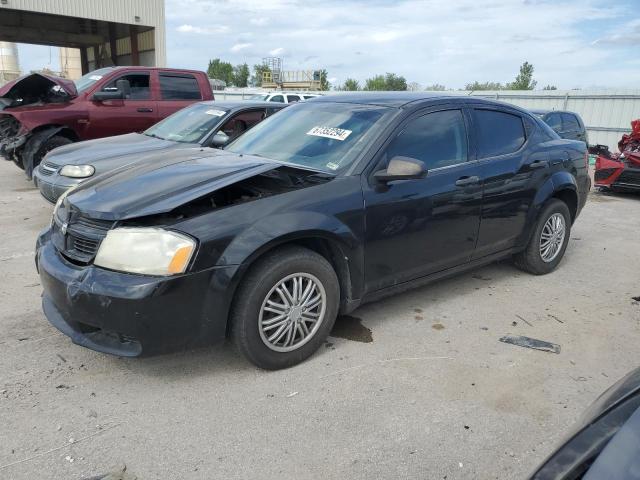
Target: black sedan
{"x": 328, "y": 204}
{"x": 207, "y": 124}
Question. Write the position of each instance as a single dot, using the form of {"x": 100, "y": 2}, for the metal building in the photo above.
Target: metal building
{"x": 114, "y": 32}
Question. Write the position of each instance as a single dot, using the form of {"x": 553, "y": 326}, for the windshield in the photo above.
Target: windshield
{"x": 90, "y": 78}
{"x": 259, "y": 96}
{"x": 189, "y": 125}
{"x": 324, "y": 136}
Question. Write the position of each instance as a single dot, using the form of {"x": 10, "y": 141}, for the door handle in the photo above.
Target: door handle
{"x": 464, "y": 181}
{"x": 538, "y": 164}
{"x": 145, "y": 109}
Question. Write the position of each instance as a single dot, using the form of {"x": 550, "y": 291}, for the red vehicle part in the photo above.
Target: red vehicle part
{"x": 621, "y": 170}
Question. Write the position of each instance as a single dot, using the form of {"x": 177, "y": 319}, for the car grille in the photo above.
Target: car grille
{"x": 83, "y": 236}
{"x": 47, "y": 169}
{"x": 48, "y": 194}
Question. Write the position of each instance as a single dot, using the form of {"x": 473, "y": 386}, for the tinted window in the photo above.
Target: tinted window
{"x": 183, "y": 87}
{"x": 570, "y": 123}
{"x": 139, "y": 86}
{"x": 277, "y": 98}
{"x": 554, "y": 121}
{"x": 189, "y": 125}
{"x": 498, "y": 133}
{"x": 293, "y": 98}
{"x": 438, "y": 139}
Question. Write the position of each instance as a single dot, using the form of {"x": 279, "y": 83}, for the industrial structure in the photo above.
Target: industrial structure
{"x": 9, "y": 64}
{"x": 273, "y": 77}
{"x": 117, "y": 32}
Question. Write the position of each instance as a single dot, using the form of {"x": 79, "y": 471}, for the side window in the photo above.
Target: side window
{"x": 307, "y": 97}
{"x": 498, "y": 133}
{"x": 240, "y": 123}
{"x": 293, "y": 98}
{"x": 554, "y": 121}
{"x": 139, "y": 86}
{"x": 570, "y": 123}
{"x": 277, "y": 98}
{"x": 179, "y": 87}
{"x": 272, "y": 110}
{"x": 439, "y": 139}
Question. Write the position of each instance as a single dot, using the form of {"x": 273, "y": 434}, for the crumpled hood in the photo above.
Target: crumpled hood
{"x": 37, "y": 81}
{"x": 91, "y": 151}
{"x": 164, "y": 181}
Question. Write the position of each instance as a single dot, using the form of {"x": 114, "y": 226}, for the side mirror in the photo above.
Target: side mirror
{"x": 401, "y": 168}
{"x": 219, "y": 140}
{"x": 122, "y": 91}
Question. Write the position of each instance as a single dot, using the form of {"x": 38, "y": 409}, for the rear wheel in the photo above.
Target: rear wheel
{"x": 285, "y": 308}
{"x": 35, "y": 150}
{"x": 549, "y": 240}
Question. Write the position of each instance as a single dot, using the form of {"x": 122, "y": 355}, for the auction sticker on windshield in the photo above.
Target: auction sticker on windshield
{"x": 217, "y": 113}
{"x": 330, "y": 132}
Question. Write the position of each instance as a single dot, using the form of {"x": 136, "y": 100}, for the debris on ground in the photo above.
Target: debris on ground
{"x": 292, "y": 394}
{"x": 524, "y": 320}
{"x": 118, "y": 473}
{"x": 528, "y": 342}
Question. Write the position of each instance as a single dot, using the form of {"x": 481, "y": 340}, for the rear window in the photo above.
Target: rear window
{"x": 498, "y": 133}
{"x": 570, "y": 122}
{"x": 277, "y": 98}
{"x": 179, "y": 87}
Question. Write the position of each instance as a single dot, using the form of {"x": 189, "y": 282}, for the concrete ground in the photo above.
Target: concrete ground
{"x": 419, "y": 388}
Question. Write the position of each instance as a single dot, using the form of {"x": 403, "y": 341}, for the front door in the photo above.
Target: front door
{"x": 422, "y": 226}
{"x": 135, "y": 113}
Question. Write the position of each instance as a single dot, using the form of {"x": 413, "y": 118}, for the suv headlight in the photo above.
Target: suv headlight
{"x": 77, "y": 171}
{"x": 149, "y": 251}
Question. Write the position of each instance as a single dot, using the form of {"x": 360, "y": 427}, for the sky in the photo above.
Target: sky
{"x": 571, "y": 43}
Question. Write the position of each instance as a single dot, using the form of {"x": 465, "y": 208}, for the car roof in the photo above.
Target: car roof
{"x": 544, "y": 111}
{"x": 403, "y": 99}
{"x": 242, "y": 104}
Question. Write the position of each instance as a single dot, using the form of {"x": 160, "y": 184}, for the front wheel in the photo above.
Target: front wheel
{"x": 285, "y": 308}
{"x": 549, "y": 240}
{"x": 36, "y": 148}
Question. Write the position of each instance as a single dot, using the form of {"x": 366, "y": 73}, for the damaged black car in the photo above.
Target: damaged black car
{"x": 328, "y": 204}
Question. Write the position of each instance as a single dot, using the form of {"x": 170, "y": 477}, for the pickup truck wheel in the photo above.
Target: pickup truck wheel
{"x": 285, "y": 308}
{"x": 549, "y": 240}
{"x": 35, "y": 150}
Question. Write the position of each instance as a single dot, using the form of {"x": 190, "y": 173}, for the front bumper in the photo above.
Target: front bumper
{"x": 132, "y": 315}
{"x": 51, "y": 187}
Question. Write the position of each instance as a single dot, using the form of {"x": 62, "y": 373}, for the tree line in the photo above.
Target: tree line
{"x": 240, "y": 76}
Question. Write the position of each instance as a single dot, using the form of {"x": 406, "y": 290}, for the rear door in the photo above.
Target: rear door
{"x": 421, "y": 226}
{"x": 512, "y": 168}
{"x": 176, "y": 91}
{"x": 135, "y": 113}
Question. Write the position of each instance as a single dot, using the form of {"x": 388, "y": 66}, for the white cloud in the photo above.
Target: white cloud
{"x": 259, "y": 22}
{"x": 240, "y": 46}
{"x": 186, "y": 28}
{"x": 451, "y": 43}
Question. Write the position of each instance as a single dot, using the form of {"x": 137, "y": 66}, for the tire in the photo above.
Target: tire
{"x": 532, "y": 258}
{"x": 36, "y": 148}
{"x": 288, "y": 264}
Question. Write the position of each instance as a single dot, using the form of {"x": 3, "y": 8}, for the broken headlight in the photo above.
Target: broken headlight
{"x": 77, "y": 171}
{"x": 148, "y": 251}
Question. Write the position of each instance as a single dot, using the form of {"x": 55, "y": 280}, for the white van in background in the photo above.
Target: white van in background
{"x": 283, "y": 97}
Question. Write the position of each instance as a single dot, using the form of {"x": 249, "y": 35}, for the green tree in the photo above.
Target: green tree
{"x": 324, "y": 80}
{"x": 484, "y": 86}
{"x": 524, "y": 80}
{"x": 220, "y": 71}
{"x": 436, "y": 87}
{"x": 241, "y": 75}
{"x": 389, "y": 81}
{"x": 550, "y": 87}
{"x": 258, "y": 70}
{"x": 350, "y": 85}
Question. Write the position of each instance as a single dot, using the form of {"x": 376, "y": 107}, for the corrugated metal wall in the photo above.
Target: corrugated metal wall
{"x": 132, "y": 12}
{"x": 606, "y": 113}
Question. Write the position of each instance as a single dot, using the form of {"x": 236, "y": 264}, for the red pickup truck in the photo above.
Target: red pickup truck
{"x": 39, "y": 112}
